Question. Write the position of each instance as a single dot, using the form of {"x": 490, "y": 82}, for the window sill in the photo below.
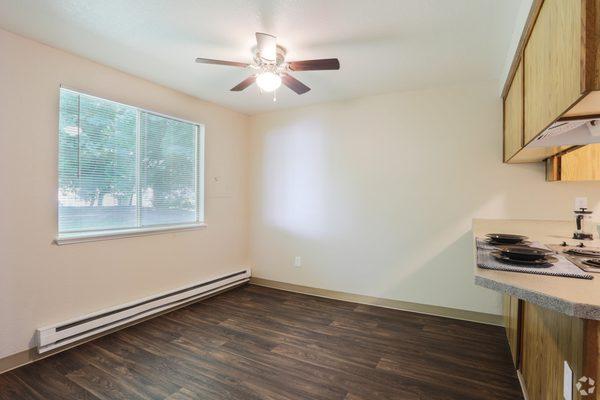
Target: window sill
{"x": 83, "y": 237}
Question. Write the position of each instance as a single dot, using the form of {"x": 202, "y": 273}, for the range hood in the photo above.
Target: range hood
{"x": 579, "y": 139}
{"x": 572, "y": 131}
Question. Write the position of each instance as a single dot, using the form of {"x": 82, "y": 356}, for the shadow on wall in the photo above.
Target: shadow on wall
{"x": 451, "y": 273}
{"x": 435, "y": 273}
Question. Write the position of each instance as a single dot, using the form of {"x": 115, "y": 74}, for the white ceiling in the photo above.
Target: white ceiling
{"x": 383, "y": 45}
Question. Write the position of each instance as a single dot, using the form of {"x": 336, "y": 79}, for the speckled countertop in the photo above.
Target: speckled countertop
{"x": 575, "y": 297}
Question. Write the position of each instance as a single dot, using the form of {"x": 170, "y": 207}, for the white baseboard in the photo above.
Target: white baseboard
{"x": 28, "y": 356}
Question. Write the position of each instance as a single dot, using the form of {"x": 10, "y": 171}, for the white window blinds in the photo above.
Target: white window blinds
{"x": 121, "y": 167}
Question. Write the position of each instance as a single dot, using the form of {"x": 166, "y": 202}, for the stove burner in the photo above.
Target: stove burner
{"x": 592, "y": 262}
{"x": 496, "y": 243}
{"x": 583, "y": 252}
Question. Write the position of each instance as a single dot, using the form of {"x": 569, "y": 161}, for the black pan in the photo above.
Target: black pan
{"x": 494, "y": 243}
{"x": 506, "y": 238}
{"x": 539, "y": 263}
{"x": 525, "y": 253}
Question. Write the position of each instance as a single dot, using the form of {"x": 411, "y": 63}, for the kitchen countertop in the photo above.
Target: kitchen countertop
{"x": 574, "y": 297}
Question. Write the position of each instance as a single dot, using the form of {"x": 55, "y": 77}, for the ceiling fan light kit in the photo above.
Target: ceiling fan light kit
{"x": 268, "y": 81}
{"x": 271, "y": 69}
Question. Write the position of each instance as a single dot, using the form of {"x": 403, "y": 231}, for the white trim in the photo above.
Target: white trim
{"x": 82, "y": 237}
{"x": 522, "y": 383}
{"x": 200, "y": 174}
{"x": 85, "y": 93}
{"x": 199, "y": 171}
{"x": 138, "y": 169}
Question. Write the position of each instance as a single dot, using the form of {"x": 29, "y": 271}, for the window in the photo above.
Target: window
{"x": 123, "y": 170}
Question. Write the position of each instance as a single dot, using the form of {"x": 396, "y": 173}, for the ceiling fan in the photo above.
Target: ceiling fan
{"x": 270, "y": 68}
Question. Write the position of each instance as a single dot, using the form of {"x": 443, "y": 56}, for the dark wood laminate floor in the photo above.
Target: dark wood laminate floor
{"x": 259, "y": 343}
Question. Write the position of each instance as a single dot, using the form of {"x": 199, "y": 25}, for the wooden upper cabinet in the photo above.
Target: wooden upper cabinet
{"x": 513, "y": 116}
{"x": 579, "y": 164}
{"x": 582, "y": 164}
{"x": 557, "y": 64}
{"x": 552, "y": 64}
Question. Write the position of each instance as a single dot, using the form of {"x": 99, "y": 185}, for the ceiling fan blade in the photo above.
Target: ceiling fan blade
{"x": 267, "y": 46}
{"x": 221, "y": 62}
{"x": 244, "y": 84}
{"x": 315, "y": 65}
{"x": 294, "y": 84}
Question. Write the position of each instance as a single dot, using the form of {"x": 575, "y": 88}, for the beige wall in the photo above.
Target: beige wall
{"x": 41, "y": 283}
{"x": 377, "y": 194}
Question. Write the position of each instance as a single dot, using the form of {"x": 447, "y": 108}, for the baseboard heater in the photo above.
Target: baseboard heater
{"x": 55, "y": 336}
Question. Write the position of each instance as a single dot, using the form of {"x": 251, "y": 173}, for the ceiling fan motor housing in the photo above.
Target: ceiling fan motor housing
{"x": 280, "y": 58}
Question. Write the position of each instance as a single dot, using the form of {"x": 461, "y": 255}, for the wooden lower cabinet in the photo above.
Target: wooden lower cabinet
{"x": 512, "y": 324}
{"x": 548, "y": 340}
{"x": 541, "y": 340}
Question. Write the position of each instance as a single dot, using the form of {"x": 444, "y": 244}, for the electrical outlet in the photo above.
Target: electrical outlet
{"x": 297, "y": 261}
{"x": 581, "y": 202}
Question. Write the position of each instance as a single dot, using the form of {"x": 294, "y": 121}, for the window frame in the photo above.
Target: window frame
{"x": 107, "y": 234}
